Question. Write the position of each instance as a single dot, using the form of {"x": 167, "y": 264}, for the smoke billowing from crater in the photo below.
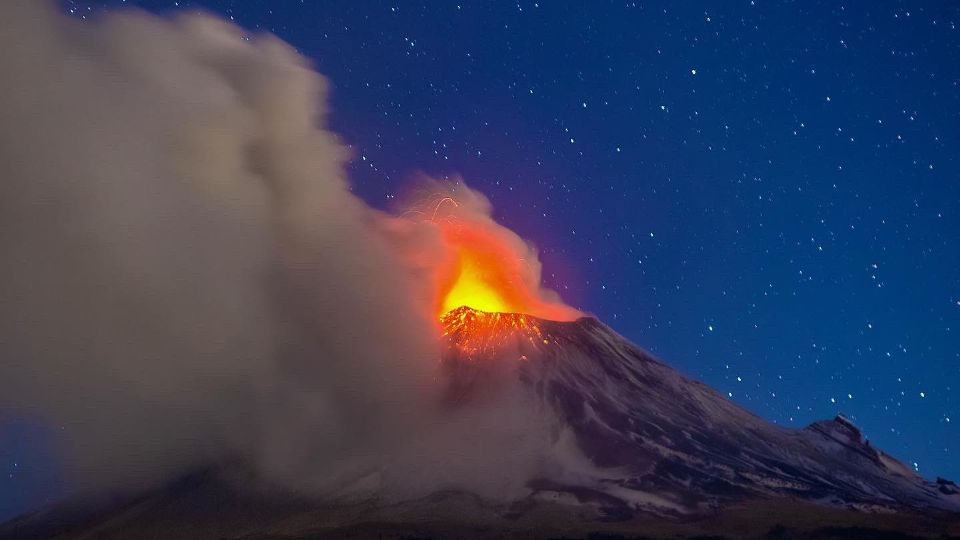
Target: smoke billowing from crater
{"x": 187, "y": 276}
{"x": 488, "y": 267}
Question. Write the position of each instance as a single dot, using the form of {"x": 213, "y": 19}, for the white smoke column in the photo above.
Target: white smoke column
{"x": 185, "y": 272}
{"x": 187, "y": 278}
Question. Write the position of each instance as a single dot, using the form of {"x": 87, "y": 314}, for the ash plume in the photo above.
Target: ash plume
{"x": 186, "y": 275}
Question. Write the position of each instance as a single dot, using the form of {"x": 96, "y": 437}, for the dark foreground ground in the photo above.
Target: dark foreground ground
{"x": 199, "y": 507}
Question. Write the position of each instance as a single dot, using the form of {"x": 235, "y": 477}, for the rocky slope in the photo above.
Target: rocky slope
{"x": 662, "y": 442}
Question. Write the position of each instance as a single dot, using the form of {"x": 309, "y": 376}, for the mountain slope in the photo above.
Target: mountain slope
{"x": 665, "y": 443}
{"x": 655, "y": 453}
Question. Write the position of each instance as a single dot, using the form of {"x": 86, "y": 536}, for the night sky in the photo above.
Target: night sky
{"x": 764, "y": 194}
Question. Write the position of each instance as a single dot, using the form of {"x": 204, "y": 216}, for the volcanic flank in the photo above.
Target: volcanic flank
{"x": 659, "y": 442}
{"x": 647, "y": 449}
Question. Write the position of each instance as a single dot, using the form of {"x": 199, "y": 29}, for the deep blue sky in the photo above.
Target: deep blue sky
{"x": 765, "y": 194}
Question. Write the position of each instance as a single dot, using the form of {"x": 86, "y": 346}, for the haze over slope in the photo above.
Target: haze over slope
{"x": 646, "y": 451}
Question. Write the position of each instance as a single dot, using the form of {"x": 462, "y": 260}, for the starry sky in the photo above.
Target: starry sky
{"x": 764, "y": 194}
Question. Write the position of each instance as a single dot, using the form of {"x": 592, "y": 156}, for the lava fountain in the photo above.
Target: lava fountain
{"x": 489, "y": 284}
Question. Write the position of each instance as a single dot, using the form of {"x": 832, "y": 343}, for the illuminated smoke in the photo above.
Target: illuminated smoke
{"x": 486, "y": 266}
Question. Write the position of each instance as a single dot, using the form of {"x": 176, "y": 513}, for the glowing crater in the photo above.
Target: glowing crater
{"x": 475, "y": 333}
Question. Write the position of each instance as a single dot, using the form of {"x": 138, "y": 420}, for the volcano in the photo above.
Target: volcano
{"x": 655, "y": 454}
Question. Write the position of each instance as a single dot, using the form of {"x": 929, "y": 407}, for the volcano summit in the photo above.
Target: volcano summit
{"x": 646, "y": 451}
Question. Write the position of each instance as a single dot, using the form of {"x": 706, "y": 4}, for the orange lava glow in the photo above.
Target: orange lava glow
{"x": 478, "y": 285}
{"x": 490, "y": 274}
